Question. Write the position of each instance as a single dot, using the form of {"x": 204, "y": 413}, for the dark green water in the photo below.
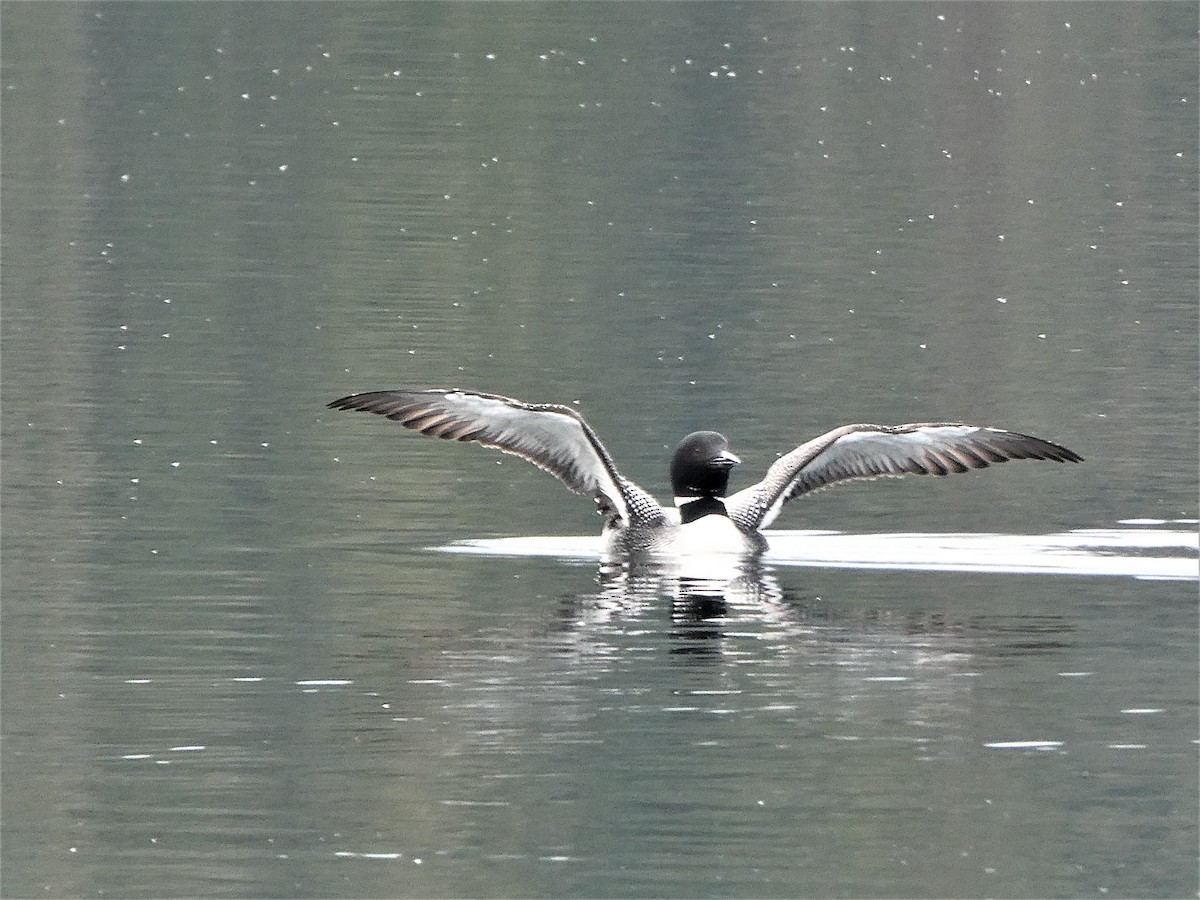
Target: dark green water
{"x": 233, "y": 666}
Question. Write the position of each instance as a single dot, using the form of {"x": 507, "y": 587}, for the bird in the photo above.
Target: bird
{"x": 705, "y": 517}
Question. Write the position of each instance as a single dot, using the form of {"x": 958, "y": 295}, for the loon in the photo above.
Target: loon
{"x": 557, "y": 439}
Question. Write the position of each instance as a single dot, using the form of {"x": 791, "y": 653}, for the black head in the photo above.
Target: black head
{"x": 701, "y": 464}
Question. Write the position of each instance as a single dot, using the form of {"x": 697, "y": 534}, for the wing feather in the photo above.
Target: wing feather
{"x": 874, "y": 451}
{"x": 554, "y": 438}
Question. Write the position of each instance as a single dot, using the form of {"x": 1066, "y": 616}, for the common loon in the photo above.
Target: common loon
{"x": 557, "y": 439}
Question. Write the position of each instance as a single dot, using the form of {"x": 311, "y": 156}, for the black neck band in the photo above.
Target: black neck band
{"x": 701, "y": 507}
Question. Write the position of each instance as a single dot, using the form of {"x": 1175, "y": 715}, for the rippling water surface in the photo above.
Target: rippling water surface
{"x": 238, "y": 659}
{"x": 1137, "y": 553}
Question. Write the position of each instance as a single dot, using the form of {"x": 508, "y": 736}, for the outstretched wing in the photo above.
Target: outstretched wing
{"x": 874, "y": 451}
{"x": 552, "y": 437}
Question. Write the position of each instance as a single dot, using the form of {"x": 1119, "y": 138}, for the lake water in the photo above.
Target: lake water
{"x": 255, "y": 648}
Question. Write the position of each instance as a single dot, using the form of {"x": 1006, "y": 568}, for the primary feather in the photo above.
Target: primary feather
{"x": 875, "y": 451}
{"x": 552, "y": 437}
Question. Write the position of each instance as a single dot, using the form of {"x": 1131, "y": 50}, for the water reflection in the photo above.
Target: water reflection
{"x": 735, "y": 620}
{"x": 213, "y": 213}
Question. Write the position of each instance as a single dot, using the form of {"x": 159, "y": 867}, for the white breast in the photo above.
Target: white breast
{"x": 709, "y": 535}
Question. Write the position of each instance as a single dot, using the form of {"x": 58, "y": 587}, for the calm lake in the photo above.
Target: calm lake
{"x": 252, "y": 647}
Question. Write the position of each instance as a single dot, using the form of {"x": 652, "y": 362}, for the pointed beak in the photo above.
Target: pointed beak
{"x": 726, "y": 460}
